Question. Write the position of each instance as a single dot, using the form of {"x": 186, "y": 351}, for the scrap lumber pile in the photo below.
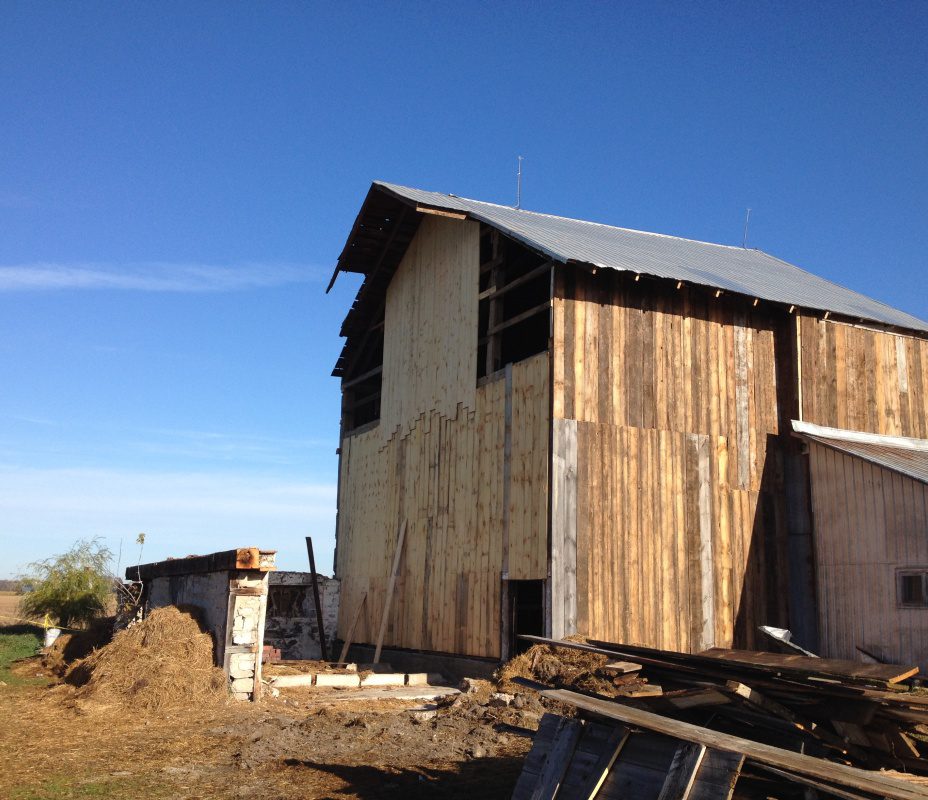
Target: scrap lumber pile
{"x": 734, "y": 723}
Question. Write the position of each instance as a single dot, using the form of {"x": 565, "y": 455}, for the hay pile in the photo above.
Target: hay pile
{"x": 75, "y": 645}
{"x": 570, "y": 669}
{"x": 165, "y": 660}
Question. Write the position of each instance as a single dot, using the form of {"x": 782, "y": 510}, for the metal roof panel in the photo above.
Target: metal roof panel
{"x": 732, "y": 269}
{"x": 906, "y": 456}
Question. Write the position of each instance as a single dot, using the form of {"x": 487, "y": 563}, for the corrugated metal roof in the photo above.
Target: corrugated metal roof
{"x": 904, "y": 455}
{"x": 733, "y": 269}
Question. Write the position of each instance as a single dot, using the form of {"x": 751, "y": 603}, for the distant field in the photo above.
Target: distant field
{"x": 9, "y": 607}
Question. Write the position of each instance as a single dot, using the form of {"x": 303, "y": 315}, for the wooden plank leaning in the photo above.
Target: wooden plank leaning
{"x": 316, "y": 599}
{"x": 849, "y": 777}
{"x": 349, "y": 638}
{"x": 388, "y": 600}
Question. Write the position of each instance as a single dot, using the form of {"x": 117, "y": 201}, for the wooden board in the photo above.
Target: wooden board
{"x": 840, "y": 774}
{"x": 828, "y": 667}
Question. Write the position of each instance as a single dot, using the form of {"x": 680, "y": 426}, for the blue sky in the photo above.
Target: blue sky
{"x": 177, "y": 180}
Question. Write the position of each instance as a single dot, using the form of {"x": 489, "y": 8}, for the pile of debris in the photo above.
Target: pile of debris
{"x": 574, "y": 668}
{"x": 728, "y": 722}
{"x": 165, "y": 660}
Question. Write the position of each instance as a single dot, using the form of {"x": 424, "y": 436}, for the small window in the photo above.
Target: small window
{"x": 912, "y": 588}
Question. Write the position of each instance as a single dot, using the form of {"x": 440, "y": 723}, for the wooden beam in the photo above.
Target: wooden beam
{"x": 227, "y": 560}
{"x": 850, "y": 777}
{"x": 362, "y": 377}
{"x": 312, "y": 572}
{"x": 390, "y": 586}
{"x": 564, "y": 527}
{"x": 492, "y": 292}
{"x": 349, "y": 637}
{"x": 519, "y": 318}
{"x": 495, "y": 309}
{"x": 812, "y": 666}
{"x": 440, "y": 212}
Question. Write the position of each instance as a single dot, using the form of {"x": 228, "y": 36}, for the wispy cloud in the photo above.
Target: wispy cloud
{"x": 154, "y": 277}
{"x": 43, "y": 511}
{"x": 238, "y": 447}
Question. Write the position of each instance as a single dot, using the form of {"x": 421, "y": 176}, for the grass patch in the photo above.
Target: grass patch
{"x": 18, "y": 641}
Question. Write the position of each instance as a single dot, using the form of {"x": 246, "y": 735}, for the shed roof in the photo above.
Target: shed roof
{"x": 733, "y": 269}
{"x": 900, "y": 454}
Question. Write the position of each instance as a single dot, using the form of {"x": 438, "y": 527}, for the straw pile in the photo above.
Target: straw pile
{"x": 165, "y": 660}
{"x": 573, "y": 669}
{"x": 73, "y": 646}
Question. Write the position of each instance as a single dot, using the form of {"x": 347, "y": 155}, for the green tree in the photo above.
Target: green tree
{"x": 73, "y": 587}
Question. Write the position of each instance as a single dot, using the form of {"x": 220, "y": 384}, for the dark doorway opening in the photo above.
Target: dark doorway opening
{"x": 526, "y": 613}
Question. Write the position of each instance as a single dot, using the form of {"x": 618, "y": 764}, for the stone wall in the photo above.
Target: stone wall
{"x": 291, "y": 622}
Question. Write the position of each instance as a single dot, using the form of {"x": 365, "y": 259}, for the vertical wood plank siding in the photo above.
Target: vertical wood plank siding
{"x": 869, "y": 522}
{"x": 438, "y": 460}
{"x": 430, "y": 329}
{"x": 681, "y": 525}
{"x": 864, "y": 380}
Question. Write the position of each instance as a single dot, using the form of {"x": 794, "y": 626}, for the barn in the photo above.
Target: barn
{"x": 555, "y": 426}
{"x": 870, "y": 505}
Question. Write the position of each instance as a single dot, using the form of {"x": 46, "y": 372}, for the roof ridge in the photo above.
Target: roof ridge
{"x": 572, "y": 219}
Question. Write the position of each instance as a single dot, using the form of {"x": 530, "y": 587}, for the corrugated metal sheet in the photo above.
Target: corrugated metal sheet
{"x": 733, "y": 269}
{"x": 906, "y": 456}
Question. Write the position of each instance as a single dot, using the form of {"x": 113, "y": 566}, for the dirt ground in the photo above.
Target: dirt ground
{"x": 145, "y": 713}
{"x": 53, "y": 743}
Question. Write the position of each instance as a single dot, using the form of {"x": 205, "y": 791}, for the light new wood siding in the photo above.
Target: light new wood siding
{"x": 861, "y": 379}
{"x": 438, "y": 459}
{"x": 430, "y": 330}
{"x": 869, "y": 522}
{"x": 680, "y": 519}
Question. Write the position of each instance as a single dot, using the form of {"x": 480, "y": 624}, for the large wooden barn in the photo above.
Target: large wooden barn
{"x": 588, "y": 429}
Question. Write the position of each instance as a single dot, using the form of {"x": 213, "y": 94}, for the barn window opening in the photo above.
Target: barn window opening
{"x": 913, "y": 588}
{"x": 362, "y": 380}
{"x": 514, "y": 310}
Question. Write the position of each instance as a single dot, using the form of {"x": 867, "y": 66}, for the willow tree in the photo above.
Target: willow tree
{"x": 72, "y": 588}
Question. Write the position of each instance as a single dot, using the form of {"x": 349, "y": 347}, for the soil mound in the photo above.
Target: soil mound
{"x": 165, "y": 660}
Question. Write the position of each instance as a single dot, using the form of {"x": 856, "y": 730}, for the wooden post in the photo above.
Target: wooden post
{"x": 342, "y": 659}
{"x": 312, "y": 570}
{"x": 389, "y": 598}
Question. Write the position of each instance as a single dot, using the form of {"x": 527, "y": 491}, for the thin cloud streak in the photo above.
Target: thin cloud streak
{"x": 154, "y": 277}
{"x": 43, "y": 511}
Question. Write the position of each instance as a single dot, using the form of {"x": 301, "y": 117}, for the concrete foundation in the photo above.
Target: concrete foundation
{"x": 450, "y": 666}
